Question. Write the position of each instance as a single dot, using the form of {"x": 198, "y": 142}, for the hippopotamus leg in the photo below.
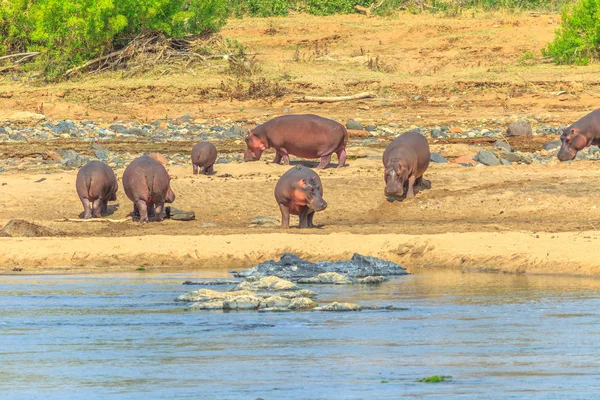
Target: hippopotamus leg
{"x": 410, "y": 193}
{"x": 158, "y": 211}
{"x": 285, "y": 216}
{"x": 210, "y": 169}
{"x": 303, "y": 215}
{"x": 104, "y": 209}
{"x": 309, "y": 218}
{"x": 87, "y": 209}
{"x": 341, "y": 158}
{"x": 142, "y": 208}
{"x": 151, "y": 212}
{"x": 277, "y": 159}
{"x": 195, "y": 169}
{"x": 325, "y": 160}
{"x": 97, "y": 208}
{"x": 284, "y": 156}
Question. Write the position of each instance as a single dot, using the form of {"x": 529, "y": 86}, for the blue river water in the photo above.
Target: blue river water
{"x": 123, "y": 336}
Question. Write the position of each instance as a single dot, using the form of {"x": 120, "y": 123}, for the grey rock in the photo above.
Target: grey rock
{"x": 330, "y": 278}
{"x": 593, "y": 149}
{"x": 100, "y": 152}
{"x": 519, "y": 128}
{"x": 555, "y": 144}
{"x": 217, "y": 128}
{"x": 118, "y": 128}
{"x": 71, "y": 158}
{"x": 352, "y": 124}
{"x": 487, "y": 158}
{"x": 417, "y": 98}
{"x": 241, "y": 303}
{"x": 293, "y": 268}
{"x": 17, "y": 137}
{"x": 437, "y": 158}
{"x": 335, "y": 306}
{"x": 517, "y": 157}
{"x": 582, "y": 156}
{"x": 235, "y": 132}
{"x": 209, "y": 305}
{"x": 137, "y": 132}
{"x": 471, "y": 134}
{"x": 268, "y": 283}
{"x": 265, "y": 221}
{"x": 222, "y": 160}
{"x": 302, "y": 303}
{"x": 204, "y": 295}
{"x": 445, "y": 128}
{"x": 504, "y": 161}
{"x": 371, "y": 128}
{"x": 438, "y": 134}
{"x": 503, "y": 145}
{"x": 179, "y": 215}
{"x": 372, "y": 280}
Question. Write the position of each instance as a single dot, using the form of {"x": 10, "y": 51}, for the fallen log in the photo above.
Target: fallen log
{"x": 94, "y": 61}
{"x": 24, "y": 55}
{"x": 319, "y": 99}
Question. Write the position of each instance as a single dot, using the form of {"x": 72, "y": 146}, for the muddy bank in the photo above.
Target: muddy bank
{"x": 509, "y": 252}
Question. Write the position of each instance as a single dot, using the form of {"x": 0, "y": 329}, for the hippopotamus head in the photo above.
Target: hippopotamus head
{"x": 308, "y": 192}
{"x": 572, "y": 141}
{"x": 395, "y": 176}
{"x": 256, "y": 145}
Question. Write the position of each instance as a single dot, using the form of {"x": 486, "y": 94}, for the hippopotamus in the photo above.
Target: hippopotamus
{"x": 405, "y": 160}
{"x": 584, "y": 132}
{"x": 299, "y": 192}
{"x": 147, "y": 183}
{"x": 303, "y": 135}
{"x": 96, "y": 185}
{"x": 204, "y": 155}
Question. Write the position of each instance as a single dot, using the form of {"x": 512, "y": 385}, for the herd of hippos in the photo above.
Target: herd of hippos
{"x": 299, "y": 190}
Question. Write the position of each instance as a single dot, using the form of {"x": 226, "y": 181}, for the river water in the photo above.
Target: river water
{"x": 123, "y": 336}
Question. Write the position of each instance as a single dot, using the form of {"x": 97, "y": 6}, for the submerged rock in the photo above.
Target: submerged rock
{"x": 335, "y": 306}
{"x": 293, "y": 268}
{"x": 372, "y": 280}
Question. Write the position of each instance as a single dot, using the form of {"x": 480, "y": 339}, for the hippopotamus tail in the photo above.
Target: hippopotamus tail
{"x": 344, "y": 141}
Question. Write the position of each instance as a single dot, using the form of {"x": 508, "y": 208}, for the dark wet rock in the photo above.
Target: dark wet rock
{"x": 555, "y": 144}
{"x": 371, "y": 128}
{"x": 445, "y": 128}
{"x": 352, "y": 124}
{"x": 217, "y": 128}
{"x": 486, "y": 158}
{"x": 212, "y": 282}
{"x": 501, "y": 144}
{"x": 3, "y": 130}
{"x": 21, "y": 228}
{"x": 335, "y": 306}
{"x": 517, "y": 157}
{"x": 100, "y": 152}
{"x": 293, "y": 268}
{"x": 70, "y": 158}
{"x": 235, "y": 132}
{"x": 438, "y": 134}
{"x": 519, "y": 128}
{"x": 222, "y": 160}
{"x": 118, "y": 128}
{"x": 437, "y": 158}
{"x": 265, "y": 221}
{"x": 179, "y": 215}
{"x": 372, "y": 280}
{"x": 328, "y": 278}
{"x": 137, "y": 132}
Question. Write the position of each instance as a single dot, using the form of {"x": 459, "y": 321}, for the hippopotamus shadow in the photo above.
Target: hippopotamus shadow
{"x": 425, "y": 185}
{"x": 110, "y": 210}
{"x": 313, "y": 164}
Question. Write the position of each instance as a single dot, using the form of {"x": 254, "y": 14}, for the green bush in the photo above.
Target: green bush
{"x": 577, "y": 41}
{"x": 71, "y": 32}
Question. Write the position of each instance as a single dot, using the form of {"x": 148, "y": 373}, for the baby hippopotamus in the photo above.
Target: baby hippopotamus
{"x": 302, "y": 135}
{"x": 204, "y": 155}
{"x": 405, "y": 160}
{"x": 96, "y": 185}
{"x": 582, "y": 133}
{"x": 147, "y": 183}
{"x": 299, "y": 192}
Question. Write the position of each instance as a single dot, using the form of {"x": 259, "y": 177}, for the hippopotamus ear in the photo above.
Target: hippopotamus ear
{"x": 301, "y": 183}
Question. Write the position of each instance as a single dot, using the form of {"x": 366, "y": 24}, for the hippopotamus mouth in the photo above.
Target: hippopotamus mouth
{"x": 249, "y": 155}
{"x": 317, "y": 204}
{"x": 566, "y": 153}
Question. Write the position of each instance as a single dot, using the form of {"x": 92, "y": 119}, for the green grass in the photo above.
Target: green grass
{"x": 435, "y": 379}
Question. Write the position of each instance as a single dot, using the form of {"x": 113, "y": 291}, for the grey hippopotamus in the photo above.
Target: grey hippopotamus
{"x": 147, "y": 183}
{"x": 299, "y": 192}
{"x": 405, "y": 160}
{"x": 204, "y": 155}
{"x": 96, "y": 185}
{"x": 302, "y": 135}
{"x": 583, "y": 133}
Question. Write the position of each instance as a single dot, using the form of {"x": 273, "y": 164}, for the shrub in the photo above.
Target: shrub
{"x": 577, "y": 40}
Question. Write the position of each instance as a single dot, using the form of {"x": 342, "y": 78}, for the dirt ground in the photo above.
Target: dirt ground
{"x": 520, "y": 218}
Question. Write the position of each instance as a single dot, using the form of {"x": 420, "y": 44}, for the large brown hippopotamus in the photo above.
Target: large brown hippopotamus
{"x": 405, "y": 160}
{"x": 204, "y": 155}
{"x": 96, "y": 185}
{"x": 299, "y": 192}
{"x": 584, "y": 132}
{"x": 147, "y": 183}
{"x": 302, "y": 135}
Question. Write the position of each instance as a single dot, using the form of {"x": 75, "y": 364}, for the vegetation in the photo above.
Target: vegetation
{"x": 577, "y": 41}
{"x": 435, "y": 379}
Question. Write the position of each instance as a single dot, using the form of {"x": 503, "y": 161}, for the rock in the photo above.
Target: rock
{"x": 64, "y": 127}
{"x": 292, "y": 267}
{"x": 517, "y": 157}
{"x": 209, "y": 305}
{"x": 335, "y": 306}
{"x": 17, "y": 137}
{"x": 503, "y": 145}
{"x": 204, "y": 295}
{"x": 217, "y": 128}
{"x": 137, "y": 132}
{"x": 159, "y": 157}
{"x": 100, "y": 152}
{"x": 235, "y": 132}
{"x": 456, "y": 129}
{"x": 298, "y": 293}
{"x": 179, "y": 215}
{"x": 275, "y": 302}
{"x": 371, "y": 128}
{"x": 212, "y": 282}
{"x": 21, "y": 228}
{"x": 352, "y": 124}
{"x": 372, "y": 280}
{"x": 246, "y": 302}
{"x": 302, "y": 303}
{"x": 25, "y": 118}
{"x": 594, "y": 149}
{"x": 445, "y": 128}
{"x": 118, "y": 128}
{"x": 471, "y": 135}
{"x": 332, "y": 278}
{"x": 486, "y": 158}
{"x": 438, "y": 134}
{"x": 265, "y": 221}
{"x": 519, "y": 128}
{"x": 555, "y": 144}
{"x": 465, "y": 161}
{"x": 504, "y": 161}
{"x": 270, "y": 283}
{"x": 70, "y": 158}
{"x": 437, "y": 158}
